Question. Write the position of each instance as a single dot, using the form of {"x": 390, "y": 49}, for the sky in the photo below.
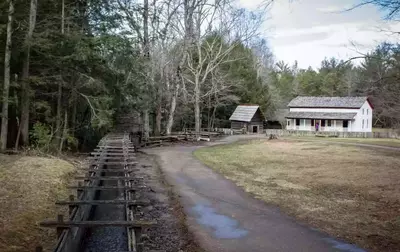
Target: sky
{"x": 310, "y": 30}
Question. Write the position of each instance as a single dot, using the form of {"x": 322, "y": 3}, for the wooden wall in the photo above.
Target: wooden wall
{"x": 257, "y": 120}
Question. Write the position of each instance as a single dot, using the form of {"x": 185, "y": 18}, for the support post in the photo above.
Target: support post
{"x": 60, "y": 218}
{"x": 71, "y": 207}
{"x": 79, "y": 191}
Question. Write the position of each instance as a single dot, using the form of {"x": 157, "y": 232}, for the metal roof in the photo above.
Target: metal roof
{"x": 321, "y": 115}
{"x": 327, "y": 102}
{"x": 244, "y": 113}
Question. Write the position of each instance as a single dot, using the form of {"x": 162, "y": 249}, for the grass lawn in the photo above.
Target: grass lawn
{"x": 381, "y": 130}
{"x": 391, "y": 142}
{"x": 349, "y": 192}
{"x": 29, "y": 188}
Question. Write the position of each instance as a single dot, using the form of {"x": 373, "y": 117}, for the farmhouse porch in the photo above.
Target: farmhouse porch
{"x": 336, "y": 122}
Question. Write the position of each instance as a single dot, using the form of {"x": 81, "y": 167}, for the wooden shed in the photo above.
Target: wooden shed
{"x": 247, "y": 118}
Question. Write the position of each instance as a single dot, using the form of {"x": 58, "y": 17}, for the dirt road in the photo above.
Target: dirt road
{"x": 223, "y": 217}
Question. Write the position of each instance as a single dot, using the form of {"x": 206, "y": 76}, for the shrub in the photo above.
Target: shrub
{"x": 41, "y": 136}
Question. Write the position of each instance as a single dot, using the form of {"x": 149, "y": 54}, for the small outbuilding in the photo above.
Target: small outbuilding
{"x": 248, "y": 119}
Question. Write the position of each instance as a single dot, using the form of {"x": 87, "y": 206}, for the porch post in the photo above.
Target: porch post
{"x": 349, "y": 126}
{"x": 334, "y": 125}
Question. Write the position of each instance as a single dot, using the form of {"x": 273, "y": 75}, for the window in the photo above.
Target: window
{"x": 345, "y": 124}
{"x": 329, "y": 123}
{"x": 363, "y": 111}
{"x": 288, "y": 122}
{"x": 363, "y": 123}
{"x": 313, "y": 123}
{"x": 297, "y": 122}
{"x": 367, "y": 111}
{"x": 323, "y": 123}
{"x": 366, "y": 124}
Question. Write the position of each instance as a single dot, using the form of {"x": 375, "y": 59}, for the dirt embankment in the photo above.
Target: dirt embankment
{"x": 29, "y": 187}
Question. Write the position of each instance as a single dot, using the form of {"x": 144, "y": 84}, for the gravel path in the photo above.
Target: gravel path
{"x": 225, "y": 218}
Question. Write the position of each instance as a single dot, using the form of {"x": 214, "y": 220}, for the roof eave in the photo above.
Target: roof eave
{"x": 238, "y": 120}
{"x": 325, "y": 107}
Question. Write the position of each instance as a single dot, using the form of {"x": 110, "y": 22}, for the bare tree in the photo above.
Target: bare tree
{"x": 163, "y": 40}
{"x": 219, "y": 28}
{"x": 6, "y": 87}
{"x": 150, "y": 28}
{"x": 392, "y": 7}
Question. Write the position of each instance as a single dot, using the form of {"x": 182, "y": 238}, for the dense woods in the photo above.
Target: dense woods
{"x": 71, "y": 67}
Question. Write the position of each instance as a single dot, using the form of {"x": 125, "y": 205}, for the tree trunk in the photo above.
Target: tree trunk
{"x": 208, "y": 113}
{"x": 157, "y": 131}
{"x": 146, "y": 124}
{"x": 6, "y": 87}
{"x": 172, "y": 108}
{"x": 188, "y": 40}
{"x": 213, "y": 117}
{"x": 58, "y": 117}
{"x": 25, "y": 96}
{"x": 197, "y": 107}
{"x": 59, "y": 93}
{"x": 74, "y": 109}
{"x": 146, "y": 50}
{"x": 64, "y": 133}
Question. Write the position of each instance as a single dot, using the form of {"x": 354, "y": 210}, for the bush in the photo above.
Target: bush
{"x": 41, "y": 136}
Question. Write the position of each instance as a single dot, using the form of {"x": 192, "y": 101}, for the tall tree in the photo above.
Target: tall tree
{"x": 25, "y": 97}
{"x": 178, "y": 80}
{"x": 6, "y": 87}
{"x": 60, "y": 82}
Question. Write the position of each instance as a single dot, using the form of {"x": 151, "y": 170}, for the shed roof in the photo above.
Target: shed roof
{"x": 327, "y": 102}
{"x": 244, "y": 113}
{"x": 321, "y": 115}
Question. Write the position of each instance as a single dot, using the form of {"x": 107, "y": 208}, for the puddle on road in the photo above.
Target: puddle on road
{"x": 343, "y": 246}
{"x": 224, "y": 227}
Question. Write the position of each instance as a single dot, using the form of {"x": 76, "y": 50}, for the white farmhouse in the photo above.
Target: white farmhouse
{"x": 349, "y": 114}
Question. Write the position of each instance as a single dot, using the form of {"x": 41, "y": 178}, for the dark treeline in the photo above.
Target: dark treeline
{"x": 71, "y": 67}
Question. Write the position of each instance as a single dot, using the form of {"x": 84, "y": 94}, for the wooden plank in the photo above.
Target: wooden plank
{"x": 107, "y": 178}
{"x": 112, "y": 158}
{"x": 114, "y": 150}
{"x": 114, "y": 163}
{"x": 133, "y": 188}
{"x": 115, "y": 147}
{"x": 68, "y": 224}
{"x": 111, "y": 154}
{"x": 110, "y": 170}
{"x": 103, "y": 202}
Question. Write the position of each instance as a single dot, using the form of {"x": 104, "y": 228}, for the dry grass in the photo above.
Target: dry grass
{"x": 383, "y": 130}
{"x": 349, "y": 192}
{"x": 391, "y": 142}
{"x": 29, "y": 188}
